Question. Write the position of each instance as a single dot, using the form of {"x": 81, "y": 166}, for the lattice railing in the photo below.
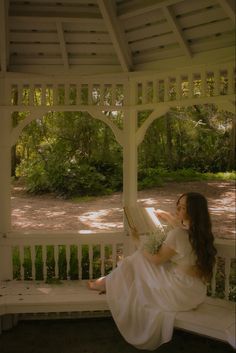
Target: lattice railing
{"x": 118, "y": 92}
{"x": 30, "y": 93}
{"x": 180, "y": 85}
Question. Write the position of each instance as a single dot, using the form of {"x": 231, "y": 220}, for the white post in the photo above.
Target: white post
{"x": 5, "y": 185}
{"x": 130, "y": 168}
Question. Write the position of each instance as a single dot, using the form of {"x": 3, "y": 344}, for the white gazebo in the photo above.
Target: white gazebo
{"x": 122, "y": 55}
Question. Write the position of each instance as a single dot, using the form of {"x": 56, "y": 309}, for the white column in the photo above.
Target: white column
{"x": 130, "y": 168}
{"x": 5, "y": 185}
{"x": 5, "y": 172}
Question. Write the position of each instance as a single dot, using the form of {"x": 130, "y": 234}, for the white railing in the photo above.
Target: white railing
{"x": 60, "y": 256}
{"x": 55, "y": 92}
{"x": 68, "y": 256}
{"x": 118, "y": 91}
{"x": 184, "y": 84}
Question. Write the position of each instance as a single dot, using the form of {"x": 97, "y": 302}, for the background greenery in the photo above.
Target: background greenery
{"x": 73, "y": 154}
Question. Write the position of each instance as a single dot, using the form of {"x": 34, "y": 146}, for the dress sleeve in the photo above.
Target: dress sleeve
{"x": 176, "y": 240}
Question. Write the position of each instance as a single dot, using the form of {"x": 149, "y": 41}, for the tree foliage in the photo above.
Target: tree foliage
{"x": 71, "y": 153}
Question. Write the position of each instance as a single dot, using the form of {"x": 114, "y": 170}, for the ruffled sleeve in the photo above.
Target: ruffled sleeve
{"x": 177, "y": 239}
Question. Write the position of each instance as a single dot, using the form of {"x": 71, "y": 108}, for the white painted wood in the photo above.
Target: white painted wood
{"x": 170, "y": 16}
{"x": 4, "y": 49}
{"x": 229, "y": 8}
{"x": 116, "y": 33}
{"x": 62, "y": 42}
{"x": 5, "y": 174}
{"x": 130, "y": 159}
{"x": 128, "y": 11}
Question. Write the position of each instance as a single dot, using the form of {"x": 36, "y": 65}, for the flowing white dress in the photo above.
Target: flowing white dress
{"x": 144, "y": 297}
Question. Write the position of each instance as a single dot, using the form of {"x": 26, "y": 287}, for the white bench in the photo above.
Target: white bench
{"x": 34, "y": 299}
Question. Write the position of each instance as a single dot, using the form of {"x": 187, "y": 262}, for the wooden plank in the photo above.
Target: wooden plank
{"x": 155, "y": 42}
{"x": 116, "y": 34}
{"x": 195, "y": 19}
{"x": 61, "y": 38}
{"x": 229, "y": 8}
{"x": 49, "y": 48}
{"x": 208, "y": 29}
{"x": 130, "y": 9}
{"x": 4, "y": 49}
{"x": 143, "y": 19}
{"x": 170, "y": 16}
{"x": 148, "y": 31}
{"x": 183, "y": 7}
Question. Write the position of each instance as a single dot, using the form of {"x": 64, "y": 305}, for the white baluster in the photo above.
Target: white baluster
{"x": 166, "y": 90}
{"x": 213, "y": 281}
{"x": 113, "y": 256}
{"x": 22, "y": 260}
{"x": 33, "y": 259}
{"x": 80, "y": 261}
{"x": 227, "y": 276}
{"x": 55, "y": 94}
{"x": 67, "y": 94}
{"x": 178, "y": 87}
{"x": 155, "y": 91}
{"x": 56, "y": 259}
{"x": 67, "y": 261}
{"x": 102, "y": 260}
{"x": 113, "y": 94}
{"x": 20, "y": 94}
{"x": 190, "y": 85}
{"x": 43, "y": 94}
{"x": 78, "y": 94}
{"x": 144, "y": 92}
{"x": 90, "y": 89}
{"x": 203, "y": 84}
{"x": 102, "y": 93}
{"x": 44, "y": 258}
{"x": 216, "y": 82}
{"x": 231, "y": 79}
{"x": 90, "y": 261}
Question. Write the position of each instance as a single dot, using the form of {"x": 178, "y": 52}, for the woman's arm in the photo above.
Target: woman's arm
{"x": 164, "y": 254}
{"x": 167, "y": 217}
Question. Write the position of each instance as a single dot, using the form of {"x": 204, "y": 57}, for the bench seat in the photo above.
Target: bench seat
{"x": 214, "y": 318}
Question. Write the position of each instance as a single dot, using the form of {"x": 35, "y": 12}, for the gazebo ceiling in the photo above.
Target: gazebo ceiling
{"x": 102, "y": 36}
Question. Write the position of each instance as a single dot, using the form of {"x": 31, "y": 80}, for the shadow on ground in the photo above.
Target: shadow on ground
{"x": 93, "y": 336}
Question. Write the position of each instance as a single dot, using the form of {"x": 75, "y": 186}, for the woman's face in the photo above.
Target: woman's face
{"x": 181, "y": 209}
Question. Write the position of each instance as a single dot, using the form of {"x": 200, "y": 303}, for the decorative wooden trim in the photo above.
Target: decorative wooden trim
{"x": 62, "y": 44}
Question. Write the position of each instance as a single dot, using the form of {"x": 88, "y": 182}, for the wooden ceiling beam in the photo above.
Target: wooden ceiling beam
{"x": 4, "y": 46}
{"x": 62, "y": 42}
{"x": 171, "y": 19}
{"x": 147, "y": 6}
{"x": 117, "y": 35}
{"x": 229, "y": 7}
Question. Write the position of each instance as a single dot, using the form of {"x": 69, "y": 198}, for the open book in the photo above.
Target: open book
{"x": 146, "y": 229}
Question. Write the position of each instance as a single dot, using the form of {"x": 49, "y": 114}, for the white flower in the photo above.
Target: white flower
{"x": 152, "y": 241}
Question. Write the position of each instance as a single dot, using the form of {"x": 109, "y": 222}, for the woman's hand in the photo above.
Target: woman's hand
{"x": 167, "y": 217}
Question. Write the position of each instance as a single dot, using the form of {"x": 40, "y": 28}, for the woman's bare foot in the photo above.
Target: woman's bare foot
{"x": 98, "y": 284}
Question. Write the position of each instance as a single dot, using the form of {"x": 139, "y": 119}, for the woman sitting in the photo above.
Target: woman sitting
{"x": 146, "y": 290}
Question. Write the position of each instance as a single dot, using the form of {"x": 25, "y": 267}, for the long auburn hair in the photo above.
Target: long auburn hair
{"x": 200, "y": 233}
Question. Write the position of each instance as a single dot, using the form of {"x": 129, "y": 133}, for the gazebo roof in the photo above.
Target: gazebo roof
{"x": 106, "y": 36}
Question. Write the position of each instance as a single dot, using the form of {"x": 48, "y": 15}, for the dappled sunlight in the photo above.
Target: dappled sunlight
{"x": 105, "y": 213}
{"x": 99, "y": 219}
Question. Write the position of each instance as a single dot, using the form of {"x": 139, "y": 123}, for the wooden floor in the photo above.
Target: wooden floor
{"x": 98, "y": 335}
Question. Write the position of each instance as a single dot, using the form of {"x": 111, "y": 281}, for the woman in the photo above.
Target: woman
{"x": 146, "y": 290}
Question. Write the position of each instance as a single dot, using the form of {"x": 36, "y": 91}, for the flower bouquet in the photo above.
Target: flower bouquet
{"x": 152, "y": 241}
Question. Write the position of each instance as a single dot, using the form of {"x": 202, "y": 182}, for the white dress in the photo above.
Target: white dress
{"x": 144, "y": 297}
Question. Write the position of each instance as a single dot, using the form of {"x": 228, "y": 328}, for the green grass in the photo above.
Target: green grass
{"x": 157, "y": 177}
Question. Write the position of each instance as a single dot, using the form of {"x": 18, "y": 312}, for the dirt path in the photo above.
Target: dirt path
{"x": 105, "y": 213}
